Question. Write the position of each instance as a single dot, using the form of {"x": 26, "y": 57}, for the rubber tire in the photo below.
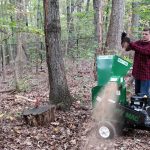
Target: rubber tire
{"x": 111, "y": 128}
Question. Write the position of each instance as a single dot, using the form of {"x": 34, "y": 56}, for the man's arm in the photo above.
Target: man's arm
{"x": 143, "y": 50}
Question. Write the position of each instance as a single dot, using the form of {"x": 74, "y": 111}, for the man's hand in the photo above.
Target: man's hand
{"x": 125, "y": 45}
{"x": 125, "y": 41}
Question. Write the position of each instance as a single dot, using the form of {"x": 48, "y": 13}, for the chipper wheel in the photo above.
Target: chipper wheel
{"x": 105, "y": 130}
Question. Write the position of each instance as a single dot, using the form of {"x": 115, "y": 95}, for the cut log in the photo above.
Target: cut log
{"x": 41, "y": 115}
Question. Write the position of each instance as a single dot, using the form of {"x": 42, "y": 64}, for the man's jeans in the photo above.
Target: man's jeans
{"x": 142, "y": 87}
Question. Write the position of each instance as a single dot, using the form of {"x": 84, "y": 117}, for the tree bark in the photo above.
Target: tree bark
{"x": 97, "y": 5}
{"x": 113, "y": 41}
{"x": 70, "y": 26}
{"x": 87, "y": 5}
{"x": 3, "y": 63}
{"x": 59, "y": 93}
{"x": 20, "y": 59}
{"x": 7, "y": 52}
{"x": 3, "y": 52}
{"x": 79, "y": 5}
{"x": 135, "y": 19}
{"x": 107, "y": 15}
{"x": 38, "y": 38}
{"x": 24, "y": 18}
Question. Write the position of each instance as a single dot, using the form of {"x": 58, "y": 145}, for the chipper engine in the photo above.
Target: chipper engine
{"x": 113, "y": 111}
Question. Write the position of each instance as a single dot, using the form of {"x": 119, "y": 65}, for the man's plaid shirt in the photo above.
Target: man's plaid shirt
{"x": 141, "y": 66}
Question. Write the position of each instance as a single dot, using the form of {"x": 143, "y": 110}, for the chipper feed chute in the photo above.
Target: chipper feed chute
{"x": 111, "y": 68}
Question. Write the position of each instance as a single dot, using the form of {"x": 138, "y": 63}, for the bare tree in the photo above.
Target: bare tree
{"x": 59, "y": 93}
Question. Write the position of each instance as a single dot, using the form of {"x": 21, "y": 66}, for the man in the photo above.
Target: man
{"x": 141, "y": 64}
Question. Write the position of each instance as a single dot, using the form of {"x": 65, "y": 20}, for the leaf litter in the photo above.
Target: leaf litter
{"x": 70, "y": 129}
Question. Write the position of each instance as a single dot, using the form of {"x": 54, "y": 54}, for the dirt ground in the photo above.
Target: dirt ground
{"x": 71, "y": 130}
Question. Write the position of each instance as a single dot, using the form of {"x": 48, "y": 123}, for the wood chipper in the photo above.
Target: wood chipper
{"x": 114, "y": 112}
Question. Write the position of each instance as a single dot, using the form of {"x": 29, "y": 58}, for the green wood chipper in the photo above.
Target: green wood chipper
{"x": 113, "y": 110}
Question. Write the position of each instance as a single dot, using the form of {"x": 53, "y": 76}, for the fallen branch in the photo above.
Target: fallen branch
{"x": 7, "y": 91}
{"x": 25, "y": 98}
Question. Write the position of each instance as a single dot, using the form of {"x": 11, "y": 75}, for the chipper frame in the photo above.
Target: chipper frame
{"x": 123, "y": 113}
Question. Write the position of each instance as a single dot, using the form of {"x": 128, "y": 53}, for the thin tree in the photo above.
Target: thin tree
{"x": 3, "y": 51}
{"x": 79, "y": 5}
{"x": 20, "y": 59}
{"x": 38, "y": 38}
{"x": 135, "y": 18}
{"x": 59, "y": 93}
{"x": 106, "y": 21}
{"x": 97, "y": 5}
{"x": 87, "y": 5}
{"x": 3, "y": 63}
{"x": 70, "y": 26}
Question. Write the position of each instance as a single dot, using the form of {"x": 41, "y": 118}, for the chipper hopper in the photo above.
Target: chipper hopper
{"x": 113, "y": 111}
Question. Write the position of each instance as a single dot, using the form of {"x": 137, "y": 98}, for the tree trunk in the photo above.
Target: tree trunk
{"x": 87, "y": 5}
{"x": 59, "y": 93}
{"x": 11, "y": 56}
{"x": 1, "y": 59}
{"x": 2, "y": 46}
{"x": 97, "y": 5}
{"x": 7, "y": 53}
{"x": 24, "y": 35}
{"x": 79, "y": 5}
{"x": 20, "y": 59}
{"x": 107, "y": 16}
{"x": 135, "y": 19}
{"x": 3, "y": 63}
{"x": 113, "y": 41}
{"x": 38, "y": 39}
{"x": 70, "y": 26}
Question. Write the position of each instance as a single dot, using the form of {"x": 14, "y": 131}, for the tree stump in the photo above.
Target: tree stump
{"x": 41, "y": 115}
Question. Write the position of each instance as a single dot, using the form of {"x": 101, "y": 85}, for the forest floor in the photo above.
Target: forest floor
{"x": 71, "y": 130}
